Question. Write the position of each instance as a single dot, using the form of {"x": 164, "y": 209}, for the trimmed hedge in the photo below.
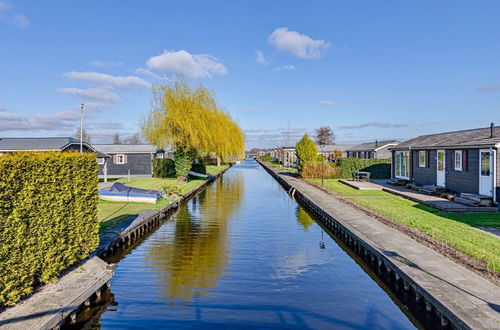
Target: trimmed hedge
{"x": 163, "y": 168}
{"x": 199, "y": 167}
{"x": 379, "y": 168}
{"x": 48, "y": 217}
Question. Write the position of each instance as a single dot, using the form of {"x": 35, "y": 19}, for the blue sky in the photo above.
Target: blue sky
{"x": 370, "y": 70}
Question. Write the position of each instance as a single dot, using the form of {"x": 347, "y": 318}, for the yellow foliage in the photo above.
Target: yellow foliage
{"x": 190, "y": 118}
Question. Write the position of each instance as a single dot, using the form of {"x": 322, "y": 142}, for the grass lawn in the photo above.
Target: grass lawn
{"x": 455, "y": 229}
{"x": 112, "y": 213}
{"x": 214, "y": 169}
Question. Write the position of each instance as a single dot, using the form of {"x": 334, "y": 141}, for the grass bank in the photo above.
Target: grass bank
{"x": 452, "y": 228}
{"x": 112, "y": 213}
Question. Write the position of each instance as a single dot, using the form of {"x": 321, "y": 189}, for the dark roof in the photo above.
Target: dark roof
{"x": 479, "y": 137}
{"x": 372, "y": 146}
{"x": 32, "y": 144}
{"x": 332, "y": 147}
{"x": 42, "y": 144}
{"x": 127, "y": 148}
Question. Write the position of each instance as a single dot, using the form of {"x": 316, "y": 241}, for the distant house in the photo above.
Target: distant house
{"x": 286, "y": 156}
{"x": 8, "y": 145}
{"x": 128, "y": 159}
{"x": 377, "y": 150}
{"x": 329, "y": 150}
{"x": 462, "y": 161}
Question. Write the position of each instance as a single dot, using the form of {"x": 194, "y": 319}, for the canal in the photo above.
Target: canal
{"x": 244, "y": 254}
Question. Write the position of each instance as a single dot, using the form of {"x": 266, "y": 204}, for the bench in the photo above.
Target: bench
{"x": 361, "y": 176}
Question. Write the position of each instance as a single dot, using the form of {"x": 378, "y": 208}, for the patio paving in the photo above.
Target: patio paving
{"x": 429, "y": 200}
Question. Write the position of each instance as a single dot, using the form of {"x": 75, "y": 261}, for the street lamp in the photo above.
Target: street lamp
{"x": 322, "y": 146}
{"x": 81, "y": 128}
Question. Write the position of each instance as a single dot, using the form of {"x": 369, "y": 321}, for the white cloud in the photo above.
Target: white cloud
{"x": 4, "y": 5}
{"x": 150, "y": 74}
{"x": 251, "y": 110}
{"x": 328, "y": 103}
{"x": 298, "y": 44}
{"x": 261, "y": 58}
{"x": 21, "y": 21}
{"x": 190, "y": 65}
{"x": 285, "y": 68}
{"x": 12, "y": 18}
{"x": 373, "y": 124}
{"x": 102, "y": 64}
{"x": 94, "y": 94}
{"x": 55, "y": 121}
{"x": 102, "y": 79}
{"x": 491, "y": 88}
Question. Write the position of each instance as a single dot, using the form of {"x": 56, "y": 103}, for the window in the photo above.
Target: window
{"x": 422, "y": 161}
{"x": 100, "y": 161}
{"x": 485, "y": 163}
{"x": 458, "y": 160}
{"x": 402, "y": 165}
{"x": 120, "y": 159}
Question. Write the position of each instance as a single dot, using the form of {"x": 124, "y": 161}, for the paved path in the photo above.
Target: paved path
{"x": 429, "y": 200}
{"x": 362, "y": 185}
{"x": 54, "y": 302}
{"x": 471, "y": 298}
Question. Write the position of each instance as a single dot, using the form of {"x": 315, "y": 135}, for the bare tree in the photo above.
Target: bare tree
{"x": 325, "y": 136}
{"x": 85, "y": 135}
{"x": 116, "y": 138}
{"x": 134, "y": 139}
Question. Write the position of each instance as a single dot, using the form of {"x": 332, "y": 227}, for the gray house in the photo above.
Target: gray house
{"x": 330, "y": 149}
{"x": 128, "y": 159}
{"x": 8, "y": 145}
{"x": 462, "y": 161}
{"x": 377, "y": 150}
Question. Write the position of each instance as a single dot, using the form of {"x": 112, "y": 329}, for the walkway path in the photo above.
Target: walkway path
{"x": 471, "y": 299}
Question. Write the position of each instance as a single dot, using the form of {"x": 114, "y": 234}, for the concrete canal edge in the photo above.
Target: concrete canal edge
{"x": 81, "y": 285}
{"x": 459, "y": 298}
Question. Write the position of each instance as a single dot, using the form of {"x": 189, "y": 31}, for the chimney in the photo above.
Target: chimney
{"x": 376, "y": 143}
{"x": 492, "y": 130}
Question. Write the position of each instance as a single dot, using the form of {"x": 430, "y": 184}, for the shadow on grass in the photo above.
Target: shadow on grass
{"x": 474, "y": 219}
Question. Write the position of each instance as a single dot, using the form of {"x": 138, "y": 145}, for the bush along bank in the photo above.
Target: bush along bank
{"x": 48, "y": 218}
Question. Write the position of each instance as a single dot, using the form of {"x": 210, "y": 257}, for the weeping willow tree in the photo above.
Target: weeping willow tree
{"x": 190, "y": 120}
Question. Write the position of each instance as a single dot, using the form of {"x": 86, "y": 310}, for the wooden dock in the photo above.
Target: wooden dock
{"x": 56, "y": 302}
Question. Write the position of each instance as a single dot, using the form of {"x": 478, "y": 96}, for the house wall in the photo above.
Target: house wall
{"x": 424, "y": 175}
{"x": 463, "y": 181}
{"x": 498, "y": 176}
{"x": 383, "y": 153}
{"x": 138, "y": 164}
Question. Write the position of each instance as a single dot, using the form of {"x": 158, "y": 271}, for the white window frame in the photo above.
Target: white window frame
{"x": 424, "y": 153}
{"x": 117, "y": 157}
{"x": 100, "y": 160}
{"x": 458, "y": 166}
{"x": 402, "y": 159}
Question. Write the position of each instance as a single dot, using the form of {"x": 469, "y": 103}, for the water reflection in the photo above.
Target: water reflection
{"x": 303, "y": 218}
{"x": 192, "y": 258}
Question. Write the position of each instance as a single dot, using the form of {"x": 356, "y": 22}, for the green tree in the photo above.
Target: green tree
{"x": 306, "y": 151}
{"x": 189, "y": 119}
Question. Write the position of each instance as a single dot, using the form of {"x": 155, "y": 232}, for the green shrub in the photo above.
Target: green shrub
{"x": 171, "y": 190}
{"x": 199, "y": 167}
{"x": 163, "y": 168}
{"x": 48, "y": 217}
{"x": 183, "y": 159}
{"x": 306, "y": 150}
{"x": 266, "y": 158}
{"x": 379, "y": 168}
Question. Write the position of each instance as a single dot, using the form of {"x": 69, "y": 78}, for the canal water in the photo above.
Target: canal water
{"x": 244, "y": 254}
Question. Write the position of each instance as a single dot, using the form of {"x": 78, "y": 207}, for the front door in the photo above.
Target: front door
{"x": 441, "y": 168}
{"x": 486, "y": 172}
